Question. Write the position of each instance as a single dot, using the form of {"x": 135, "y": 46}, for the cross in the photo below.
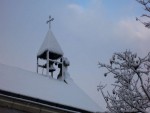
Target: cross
{"x": 49, "y": 21}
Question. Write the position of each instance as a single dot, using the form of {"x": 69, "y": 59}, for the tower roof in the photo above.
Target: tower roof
{"x": 50, "y": 44}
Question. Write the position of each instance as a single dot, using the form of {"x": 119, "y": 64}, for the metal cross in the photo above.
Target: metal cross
{"x": 49, "y": 21}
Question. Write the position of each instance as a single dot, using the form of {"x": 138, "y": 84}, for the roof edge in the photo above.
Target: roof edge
{"x": 37, "y": 101}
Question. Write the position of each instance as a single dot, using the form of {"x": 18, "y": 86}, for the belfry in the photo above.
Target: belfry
{"x": 51, "y": 52}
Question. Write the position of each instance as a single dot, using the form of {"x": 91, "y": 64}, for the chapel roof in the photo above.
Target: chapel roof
{"x": 26, "y": 83}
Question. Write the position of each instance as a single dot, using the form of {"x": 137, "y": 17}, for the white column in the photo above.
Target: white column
{"x": 37, "y": 65}
{"x": 47, "y": 70}
{"x": 62, "y": 66}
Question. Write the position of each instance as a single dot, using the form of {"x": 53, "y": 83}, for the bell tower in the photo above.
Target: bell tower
{"x": 51, "y": 52}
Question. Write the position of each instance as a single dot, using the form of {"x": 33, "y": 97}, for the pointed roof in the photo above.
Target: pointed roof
{"x": 27, "y": 84}
{"x": 50, "y": 43}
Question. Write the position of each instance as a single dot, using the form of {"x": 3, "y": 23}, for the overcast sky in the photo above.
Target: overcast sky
{"x": 87, "y": 30}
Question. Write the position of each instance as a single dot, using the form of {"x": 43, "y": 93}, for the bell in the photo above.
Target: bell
{"x": 56, "y": 63}
{"x": 51, "y": 68}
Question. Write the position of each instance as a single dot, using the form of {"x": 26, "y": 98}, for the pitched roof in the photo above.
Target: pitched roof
{"x": 19, "y": 81}
{"x": 50, "y": 43}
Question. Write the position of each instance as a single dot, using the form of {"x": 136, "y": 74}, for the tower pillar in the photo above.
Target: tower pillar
{"x": 47, "y": 64}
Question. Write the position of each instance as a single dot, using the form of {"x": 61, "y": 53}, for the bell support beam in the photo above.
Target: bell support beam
{"x": 55, "y": 61}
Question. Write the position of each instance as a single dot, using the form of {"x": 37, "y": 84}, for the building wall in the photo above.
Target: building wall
{"x": 9, "y": 110}
{"x": 8, "y": 105}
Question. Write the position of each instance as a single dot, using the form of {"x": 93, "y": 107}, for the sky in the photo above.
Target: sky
{"x": 88, "y": 31}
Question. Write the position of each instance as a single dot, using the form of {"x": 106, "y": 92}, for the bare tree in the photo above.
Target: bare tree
{"x": 146, "y": 4}
{"x": 131, "y": 91}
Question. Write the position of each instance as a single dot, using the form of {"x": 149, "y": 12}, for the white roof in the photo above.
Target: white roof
{"x": 31, "y": 84}
{"x": 50, "y": 43}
